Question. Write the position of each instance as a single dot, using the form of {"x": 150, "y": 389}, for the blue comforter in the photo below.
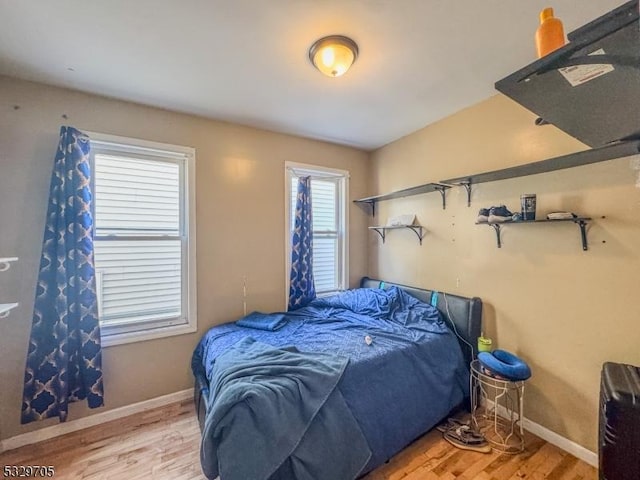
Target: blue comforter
{"x": 273, "y": 412}
{"x": 397, "y": 385}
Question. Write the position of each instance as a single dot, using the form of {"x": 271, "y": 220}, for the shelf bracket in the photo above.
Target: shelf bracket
{"x": 496, "y": 227}
{"x": 418, "y": 231}
{"x": 467, "y": 187}
{"x": 583, "y": 233}
{"x": 442, "y": 189}
{"x": 367, "y": 203}
{"x": 381, "y": 232}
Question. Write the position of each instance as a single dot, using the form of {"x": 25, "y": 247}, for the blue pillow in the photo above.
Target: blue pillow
{"x": 505, "y": 364}
{"x": 393, "y": 304}
{"x": 373, "y": 302}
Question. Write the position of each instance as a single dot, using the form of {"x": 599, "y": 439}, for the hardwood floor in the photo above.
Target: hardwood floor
{"x": 432, "y": 458}
{"x": 163, "y": 444}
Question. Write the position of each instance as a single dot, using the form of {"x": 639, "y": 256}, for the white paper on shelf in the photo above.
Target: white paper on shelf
{"x": 401, "y": 220}
{"x": 579, "y": 74}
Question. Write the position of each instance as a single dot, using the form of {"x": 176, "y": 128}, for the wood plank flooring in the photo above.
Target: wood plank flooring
{"x": 163, "y": 444}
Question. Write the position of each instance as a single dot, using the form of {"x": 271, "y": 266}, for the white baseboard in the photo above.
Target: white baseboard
{"x": 559, "y": 441}
{"x": 553, "y": 438}
{"x": 60, "y": 429}
{"x": 92, "y": 420}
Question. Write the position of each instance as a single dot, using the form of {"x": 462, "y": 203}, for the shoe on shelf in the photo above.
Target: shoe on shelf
{"x": 483, "y": 215}
{"x": 500, "y": 214}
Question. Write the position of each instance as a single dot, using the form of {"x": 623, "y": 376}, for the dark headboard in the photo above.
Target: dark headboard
{"x": 465, "y": 313}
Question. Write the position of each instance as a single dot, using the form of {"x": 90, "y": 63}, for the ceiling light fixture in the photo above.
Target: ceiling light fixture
{"x": 333, "y": 55}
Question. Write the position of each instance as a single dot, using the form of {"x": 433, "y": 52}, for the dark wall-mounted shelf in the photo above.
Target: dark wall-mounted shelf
{"x": 417, "y": 229}
{"x": 407, "y": 192}
{"x": 597, "y": 106}
{"x": 580, "y": 221}
{"x": 595, "y": 155}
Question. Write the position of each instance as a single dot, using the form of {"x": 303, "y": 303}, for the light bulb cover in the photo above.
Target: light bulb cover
{"x": 333, "y": 55}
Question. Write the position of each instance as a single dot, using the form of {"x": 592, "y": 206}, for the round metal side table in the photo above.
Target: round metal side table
{"x": 496, "y": 409}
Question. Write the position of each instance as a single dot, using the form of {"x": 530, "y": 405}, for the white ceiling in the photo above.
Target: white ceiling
{"x": 246, "y": 61}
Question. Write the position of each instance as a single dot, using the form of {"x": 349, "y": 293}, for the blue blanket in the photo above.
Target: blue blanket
{"x": 272, "y": 413}
{"x": 263, "y": 321}
{"x": 403, "y": 383}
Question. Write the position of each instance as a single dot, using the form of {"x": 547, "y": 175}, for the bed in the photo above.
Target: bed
{"x": 345, "y": 384}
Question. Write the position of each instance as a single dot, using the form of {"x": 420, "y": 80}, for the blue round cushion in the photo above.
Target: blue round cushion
{"x": 505, "y": 364}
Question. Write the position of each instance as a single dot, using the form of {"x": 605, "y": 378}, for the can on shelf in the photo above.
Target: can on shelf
{"x": 528, "y": 206}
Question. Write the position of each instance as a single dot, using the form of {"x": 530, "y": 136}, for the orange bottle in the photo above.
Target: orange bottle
{"x": 550, "y": 33}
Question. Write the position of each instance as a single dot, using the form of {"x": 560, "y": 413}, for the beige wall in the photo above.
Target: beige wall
{"x": 564, "y": 310}
{"x": 240, "y": 227}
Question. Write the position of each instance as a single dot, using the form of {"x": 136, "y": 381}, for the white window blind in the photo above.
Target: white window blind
{"x": 141, "y": 238}
{"x": 136, "y": 196}
{"x": 327, "y": 235}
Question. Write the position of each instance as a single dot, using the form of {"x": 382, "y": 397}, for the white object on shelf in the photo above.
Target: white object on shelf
{"x": 5, "y": 308}
{"x": 401, "y": 220}
{"x": 5, "y": 263}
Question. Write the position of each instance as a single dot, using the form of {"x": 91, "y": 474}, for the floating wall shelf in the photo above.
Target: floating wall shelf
{"x": 596, "y": 107}
{"x": 5, "y": 263}
{"x": 580, "y": 221}
{"x": 417, "y": 229}
{"x": 5, "y": 308}
{"x": 407, "y": 192}
{"x": 595, "y": 155}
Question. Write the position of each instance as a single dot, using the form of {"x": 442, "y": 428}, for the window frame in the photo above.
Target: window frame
{"x": 295, "y": 169}
{"x": 185, "y": 158}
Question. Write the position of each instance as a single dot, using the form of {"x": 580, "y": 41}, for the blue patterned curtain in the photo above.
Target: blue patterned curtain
{"x": 64, "y": 361}
{"x": 302, "y": 288}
